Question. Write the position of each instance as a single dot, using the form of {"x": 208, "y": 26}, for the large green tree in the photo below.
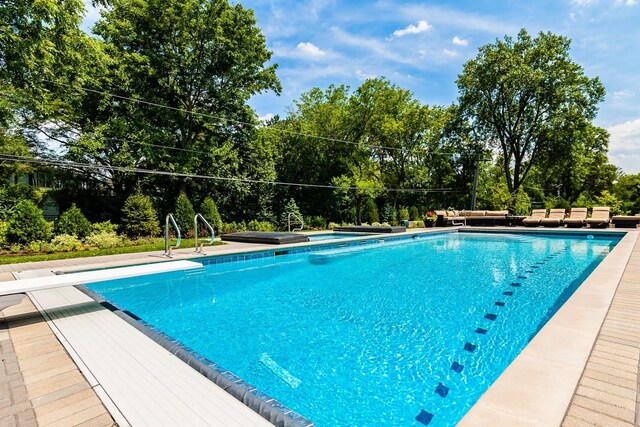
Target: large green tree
{"x": 524, "y": 95}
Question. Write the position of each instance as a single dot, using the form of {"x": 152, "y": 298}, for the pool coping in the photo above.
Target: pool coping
{"x": 537, "y": 387}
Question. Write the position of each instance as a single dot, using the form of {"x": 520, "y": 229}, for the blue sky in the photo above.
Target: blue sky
{"x": 422, "y": 46}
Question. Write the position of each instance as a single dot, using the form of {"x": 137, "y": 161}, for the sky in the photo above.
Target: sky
{"x": 423, "y": 45}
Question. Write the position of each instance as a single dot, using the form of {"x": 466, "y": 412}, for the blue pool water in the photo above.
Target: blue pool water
{"x": 334, "y": 236}
{"x": 376, "y": 334}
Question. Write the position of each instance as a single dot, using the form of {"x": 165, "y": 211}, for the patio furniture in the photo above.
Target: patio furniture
{"x": 576, "y": 218}
{"x": 599, "y": 217}
{"x": 626, "y": 221}
{"x": 537, "y": 215}
{"x": 554, "y": 219}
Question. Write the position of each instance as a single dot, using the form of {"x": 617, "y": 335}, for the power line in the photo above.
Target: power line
{"x": 240, "y": 122}
{"x": 90, "y": 166}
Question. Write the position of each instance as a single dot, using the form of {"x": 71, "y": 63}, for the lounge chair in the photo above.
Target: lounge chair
{"x": 599, "y": 217}
{"x": 555, "y": 218}
{"x": 576, "y": 218}
{"x": 534, "y": 220}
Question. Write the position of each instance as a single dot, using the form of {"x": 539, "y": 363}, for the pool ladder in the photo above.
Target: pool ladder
{"x": 291, "y": 214}
{"x": 167, "y": 248}
{"x": 195, "y": 228}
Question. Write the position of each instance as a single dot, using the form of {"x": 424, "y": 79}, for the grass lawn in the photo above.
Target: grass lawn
{"x": 159, "y": 246}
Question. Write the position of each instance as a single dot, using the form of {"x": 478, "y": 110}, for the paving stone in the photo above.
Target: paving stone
{"x": 609, "y": 410}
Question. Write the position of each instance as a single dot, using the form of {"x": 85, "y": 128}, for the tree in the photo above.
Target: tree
{"x": 72, "y": 221}
{"x": 290, "y": 208}
{"x": 184, "y": 214}
{"x": 26, "y": 224}
{"x": 627, "y": 189}
{"x": 522, "y": 96}
{"x": 209, "y": 211}
{"x": 139, "y": 217}
{"x": 203, "y": 59}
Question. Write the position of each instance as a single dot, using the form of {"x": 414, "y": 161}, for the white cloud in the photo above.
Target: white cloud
{"x": 582, "y": 2}
{"x": 413, "y": 29}
{"x": 627, "y": 2}
{"x": 623, "y": 94}
{"x": 266, "y": 117}
{"x": 361, "y": 75}
{"x": 451, "y": 53}
{"x": 460, "y": 41}
{"x": 624, "y": 146}
{"x": 309, "y": 49}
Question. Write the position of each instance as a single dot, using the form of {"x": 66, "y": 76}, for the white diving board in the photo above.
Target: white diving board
{"x": 48, "y": 282}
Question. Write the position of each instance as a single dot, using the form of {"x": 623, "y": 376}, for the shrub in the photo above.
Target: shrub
{"x": 66, "y": 243}
{"x": 370, "y": 211}
{"x": 184, "y": 214}
{"x": 388, "y": 214}
{"x": 332, "y": 225}
{"x": 139, "y": 217}
{"x": 417, "y": 224}
{"x": 103, "y": 240}
{"x": 403, "y": 214}
{"x": 72, "y": 221}
{"x": 209, "y": 211}
{"x": 233, "y": 227}
{"x": 260, "y": 226}
{"x": 290, "y": 207}
{"x": 316, "y": 222}
{"x": 105, "y": 226}
{"x": 3, "y": 233}
{"x": 26, "y": 224}
{"x": 608, "y": 199}
{"x": 414, "y": 213}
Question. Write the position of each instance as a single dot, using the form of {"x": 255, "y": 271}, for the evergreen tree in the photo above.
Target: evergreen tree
{"x": 72, "y": 221}
{"x": 139, "y": 217}
{"x": 26, "y": 224}
{"x": 291, "y": 208}
{"x": 209, "y": 211}
{"x": 184, "y": 214}
{"x": 370, "y": 212}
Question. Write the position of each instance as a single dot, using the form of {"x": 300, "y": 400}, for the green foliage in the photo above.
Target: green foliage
{"x": 104, "y": 227}
{"x": 417, "y": 224}
{"x": 370, "y": 211}
{"x": 72, "y": 221}
{"x": 388, "y": 214}
{"x": 4, "y": 226}
{"x": 66, "y": 243}
{"x": 260, "y": 226}
{"x": 290, "y": 208}
{"x": 139, "y": 217}
{"x": 414, "y": 213}
{"x": 209, "y": 211}
{"x": 525, "y": 95}
{"x": 233, "y": 227}
{"x": 184, "y": 214}
{"x": 522, "y": 203}
{"x": 403, "y": 214}
{"x": 627, "y": 189}
{"x": 316, "y": 222}
{"x": 26, "y": 224}
{"x": 610, "y": 200}
{"x": 103, "y": 240}
{"x": 11, "y": 195}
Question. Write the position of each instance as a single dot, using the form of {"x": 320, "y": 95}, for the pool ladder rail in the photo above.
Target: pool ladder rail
{"x": 167, "y": 248}
{"x": 299, "y": 220}
{"x": 195, "y": 228}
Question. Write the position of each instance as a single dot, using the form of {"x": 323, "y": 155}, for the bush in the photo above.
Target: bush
{"x": 72, "y": 221}
{"x": 66, "y": 243}
{"x": 26, "y": 224}
{"x": 414, "y": 213}
{"x": 138, "y": 216}
{"x": 184, "y": 214}
{"x": 3, "y": 233}
{"x": 403, "y": 214}
{"x": 209, "y": 211}
{"x": 370, "y": 211}
{"x": 332, "y": 225}
{"x": 233, "y": 227}
{"x": 290, "y": 207}
{"x": 417, "y": 224}
{"x": 103, "y": 240}
{"x": 105, "y": 226}
{"x": 388, "y": 214}
{"x": 38, "y": 246}
{"x": 260, "y": 226}
{"x": 608, "y": 199}
{"x": 317, "y": 222}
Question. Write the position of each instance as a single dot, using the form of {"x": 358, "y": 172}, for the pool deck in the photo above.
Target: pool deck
{"x": 591, "y": 381}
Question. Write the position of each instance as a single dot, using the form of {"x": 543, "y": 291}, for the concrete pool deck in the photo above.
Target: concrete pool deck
{"x": 600, "y": 380}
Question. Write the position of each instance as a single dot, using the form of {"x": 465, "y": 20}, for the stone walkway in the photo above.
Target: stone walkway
{"x": 39, "y": 383}
{"x": 607, "y": 394}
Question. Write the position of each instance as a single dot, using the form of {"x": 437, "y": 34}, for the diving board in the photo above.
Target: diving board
{"x": 48, "y": 282}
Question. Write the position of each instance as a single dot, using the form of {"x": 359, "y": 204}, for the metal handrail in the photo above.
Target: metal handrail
{"x": 167, "y": 248}
{"x": 195, "y": 227}
{"x": 291, "y": 214}
{"x": 464, "y": 220}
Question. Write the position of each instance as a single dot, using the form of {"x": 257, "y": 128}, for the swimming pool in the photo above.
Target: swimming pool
{"x": 405, "y": 332}
{"x": 334, "y": 236}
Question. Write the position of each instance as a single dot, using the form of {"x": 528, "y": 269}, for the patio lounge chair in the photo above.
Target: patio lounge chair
{"x": 599, "y": 217}
{"x": 576, "y": 218}
{"x": 554, "y": 219}
{"x": 536, "y": 216}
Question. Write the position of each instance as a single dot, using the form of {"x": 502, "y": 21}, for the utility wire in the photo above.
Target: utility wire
{"x": 240, "y": 122}
{"x": 90, "y": 166}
